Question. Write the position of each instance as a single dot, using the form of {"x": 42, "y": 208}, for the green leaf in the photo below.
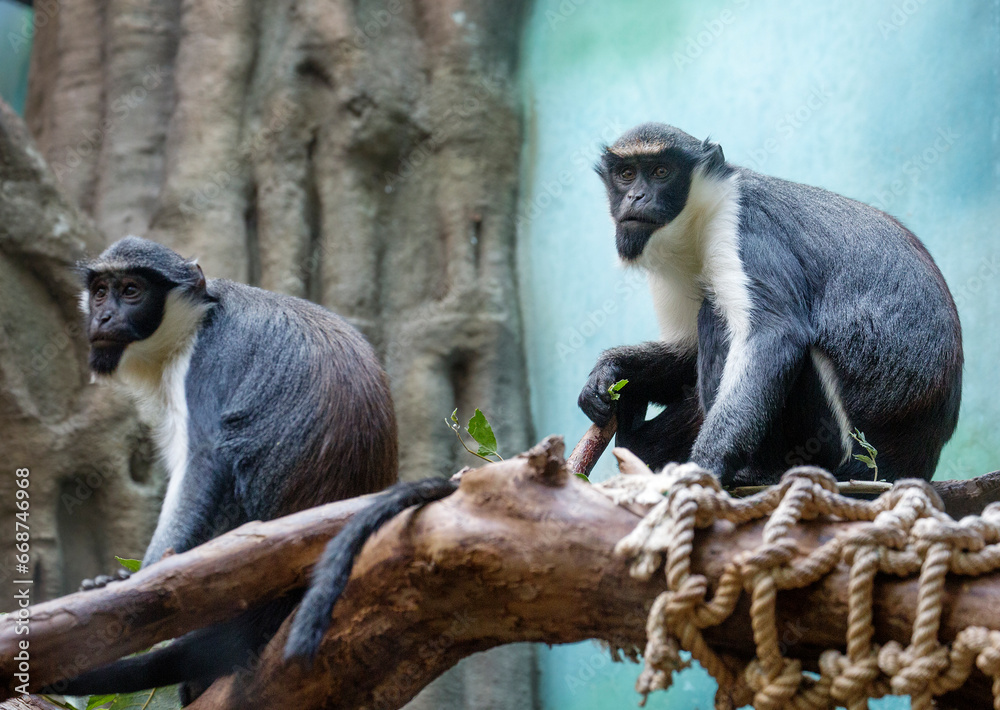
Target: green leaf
{"x": 859, "y": 436}
{"x": 157, "y": 699}
{"x": 865, "y": 459}
{"x": 130, "y": 565}
{"x": 480, "y": 430}
{"x": 454, "y": 415}
{"x": 583, "y": 476}
{"x": 96, "y": 701}
{"x": 614, "y": 389}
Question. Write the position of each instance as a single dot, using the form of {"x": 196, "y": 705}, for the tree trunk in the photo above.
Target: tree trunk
{"x": 361, "y": 154}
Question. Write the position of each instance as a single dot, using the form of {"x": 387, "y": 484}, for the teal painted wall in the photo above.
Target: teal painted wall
{"x": 894, "y": 102}
{"x": 16, "y": 31}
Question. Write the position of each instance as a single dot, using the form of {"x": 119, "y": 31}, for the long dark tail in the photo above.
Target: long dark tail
{"x": 334, "y": 568}
{"x": 200, "y": 656}
{"x": 155, "y": 669}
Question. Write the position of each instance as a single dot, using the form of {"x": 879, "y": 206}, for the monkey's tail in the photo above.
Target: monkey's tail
{"x": 158, "y": 668}
{"x": 331, "y": 573}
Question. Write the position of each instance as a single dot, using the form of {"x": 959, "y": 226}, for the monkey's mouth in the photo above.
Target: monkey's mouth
{"x": 107, "y": 343}
{"x": 634, "y": 220}
{"x": 637, "y": 222}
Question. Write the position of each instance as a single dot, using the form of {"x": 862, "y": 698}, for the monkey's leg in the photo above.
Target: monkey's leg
{"x": 666, "y": 437}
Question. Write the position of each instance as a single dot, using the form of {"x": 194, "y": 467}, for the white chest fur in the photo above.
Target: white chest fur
{"x": 154, "y": 372}
{"x": 697, "y": 255}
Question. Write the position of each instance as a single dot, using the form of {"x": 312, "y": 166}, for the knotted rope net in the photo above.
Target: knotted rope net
{"x": 904, "y": 532}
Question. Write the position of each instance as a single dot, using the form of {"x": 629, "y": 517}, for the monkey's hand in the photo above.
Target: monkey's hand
{"x": 103, "y": 580}
{"x": 595, "y": 400}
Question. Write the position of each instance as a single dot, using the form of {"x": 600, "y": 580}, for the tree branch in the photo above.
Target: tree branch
{"x": 523, "y": 551}
{"x": 214, "y": 582}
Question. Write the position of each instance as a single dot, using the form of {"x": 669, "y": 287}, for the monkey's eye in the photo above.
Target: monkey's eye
{"x": 131, "y": 291}
{"x": 627, "y": 174}
{"x": 100, "y": 293}
{"x": 660, "y": 171}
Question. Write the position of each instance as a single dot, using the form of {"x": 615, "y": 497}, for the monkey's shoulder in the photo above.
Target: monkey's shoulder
{"x": 759, "y": 190}
{"x": 245, "y": 311}
{"x": 817, "y": 223}
{"x": 278, "y": 346}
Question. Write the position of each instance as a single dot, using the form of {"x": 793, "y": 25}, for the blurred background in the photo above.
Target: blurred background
{"x": 425, "y": 169}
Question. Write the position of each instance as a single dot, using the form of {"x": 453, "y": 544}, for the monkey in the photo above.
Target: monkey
{"x": 790, "y": 317}
{"x": 264, "y": 404}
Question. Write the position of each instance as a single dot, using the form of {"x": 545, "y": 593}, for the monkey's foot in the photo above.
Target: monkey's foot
{"x": 103, "y": 580}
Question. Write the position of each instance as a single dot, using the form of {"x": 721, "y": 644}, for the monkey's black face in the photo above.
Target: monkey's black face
{"x": 645, "y": 193}
{"x": 124, "y": 307}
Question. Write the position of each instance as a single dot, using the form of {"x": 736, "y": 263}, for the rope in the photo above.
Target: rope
{"x": 904, "y": 532}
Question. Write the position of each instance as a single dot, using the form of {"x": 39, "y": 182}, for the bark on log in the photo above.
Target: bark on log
{"x": 28, "y": 702}
{"x": 968, "y": 497}
{"x": 211, "y": 583}
{"x": 522, "y": 552}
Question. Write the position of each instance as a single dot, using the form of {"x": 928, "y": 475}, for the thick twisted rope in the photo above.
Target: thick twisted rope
{"x": 904, "y": 532}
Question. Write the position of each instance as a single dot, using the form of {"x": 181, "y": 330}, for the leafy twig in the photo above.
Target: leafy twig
{"x": 614, "y": 389}
{"x": 130, "y": 565}
{"x": 479, "y": 429}
{"x": 859, "y": 436}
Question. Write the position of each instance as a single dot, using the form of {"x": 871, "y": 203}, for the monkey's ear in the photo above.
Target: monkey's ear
{"x": 84, "y": 272}
{"x": 602, "y": 167}
{"x": 714, "y": 159}
{"x": 200, "y": 284}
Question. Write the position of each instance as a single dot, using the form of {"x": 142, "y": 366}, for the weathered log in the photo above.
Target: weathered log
{"x": 522, "y": 552}
{"x": 212, "y": 583}
{"x": 970, "y": 496}
{"x": 28, "y": 702}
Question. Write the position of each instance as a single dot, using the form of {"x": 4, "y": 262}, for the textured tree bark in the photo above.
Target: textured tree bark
{"x": 28, "y": 702}
{"x": 361, "y": 154}
{"x": 211, "y": 583}
{"x": 523, "y": 551}
{"x": 969, "y": 497}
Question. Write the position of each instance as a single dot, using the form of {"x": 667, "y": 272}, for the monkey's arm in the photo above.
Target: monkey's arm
{"x": 761, "y": 364}
{"x": 756, "y": 379}
{"x": 656, "y": 372}
{"x": 201, "y": 507}
{"x": 765, "y": 354}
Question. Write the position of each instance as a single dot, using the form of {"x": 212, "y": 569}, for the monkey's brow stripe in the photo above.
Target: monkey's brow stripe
{"x": 636, "y": 148}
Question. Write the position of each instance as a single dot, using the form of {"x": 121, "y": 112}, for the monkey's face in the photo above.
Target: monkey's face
{"x": 123, "y": 307}
{"x": 645, "y": 192}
